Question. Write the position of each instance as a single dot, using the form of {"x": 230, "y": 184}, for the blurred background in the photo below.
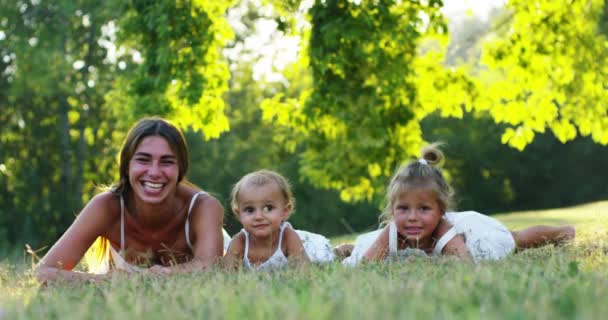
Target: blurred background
{"x": 333, "y": 94}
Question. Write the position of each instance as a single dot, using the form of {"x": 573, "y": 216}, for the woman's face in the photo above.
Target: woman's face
{"x": 153, "y": 170}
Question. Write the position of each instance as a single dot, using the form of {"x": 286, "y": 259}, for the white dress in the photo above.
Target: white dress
{"x": 485, "y": 237}
{"x": 317, "y": 247}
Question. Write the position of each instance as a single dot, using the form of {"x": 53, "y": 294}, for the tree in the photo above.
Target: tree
{"x": 490, "y": 177}
{"x": 182, "y": 76}
{"x": 54, "y": 127}
{"x": 220, "y": 163}
{"x": 75, "y": 75}
{"x": 555, "y": 77}
{"x": 360, "y": 118}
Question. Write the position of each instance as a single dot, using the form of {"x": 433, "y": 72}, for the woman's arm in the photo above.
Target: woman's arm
{"x": 207, "y": 222}
{"x": 206, "y": 229}
{"x": 379, "y": 249}
{"x": 294, "y": 248}
{"x": 64, "y": 255}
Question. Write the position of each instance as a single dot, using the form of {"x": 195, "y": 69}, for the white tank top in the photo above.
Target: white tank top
{"x": 117, "y": 257}
{"x": 277, "y": 260}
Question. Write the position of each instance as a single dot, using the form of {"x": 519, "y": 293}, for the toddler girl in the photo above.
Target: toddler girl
{"x": 418, "y": 223}
{"x": 262, "y": 201}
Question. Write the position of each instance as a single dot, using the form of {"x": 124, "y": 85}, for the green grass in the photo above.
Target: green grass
{"x": 548, "y": 283}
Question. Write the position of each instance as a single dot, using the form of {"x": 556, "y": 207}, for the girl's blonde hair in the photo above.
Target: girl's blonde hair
{"x": 421, "y": 174}
{"x": 261, "y": 178}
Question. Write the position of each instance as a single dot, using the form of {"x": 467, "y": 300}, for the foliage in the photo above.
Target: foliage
{"x": 71, "y": 84}
{"x": 56, "y": 135}
{"x": 490, "y": 177}
{"x": 375, "y": 78}
{"x": 220, "y": 163}
{"x": 355, "y": 123}
{"x": 554, "y": 77}
{"x": 182, "y": 75}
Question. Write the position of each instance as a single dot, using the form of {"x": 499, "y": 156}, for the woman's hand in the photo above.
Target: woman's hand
{"x": 159, "y": 270}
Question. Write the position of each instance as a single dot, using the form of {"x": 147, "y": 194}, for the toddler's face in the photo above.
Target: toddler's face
{"x": 262, "y": 209}
{"x": 417, "y": 214}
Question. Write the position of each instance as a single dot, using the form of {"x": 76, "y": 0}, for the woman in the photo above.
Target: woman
{"x": 151, "y": 218}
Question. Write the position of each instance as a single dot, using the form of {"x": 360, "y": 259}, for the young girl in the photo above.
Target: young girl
{"x": 262, "y": 201}
{"x": 418, "y": 224}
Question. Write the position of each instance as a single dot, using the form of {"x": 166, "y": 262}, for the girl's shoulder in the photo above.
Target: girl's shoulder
{"x": 239, "y": 237}
{"x": 291, "y": 239}
{"x": 290, "y": 234}
{"x": 237, "y": 243}
{"x": 442, "y": 228}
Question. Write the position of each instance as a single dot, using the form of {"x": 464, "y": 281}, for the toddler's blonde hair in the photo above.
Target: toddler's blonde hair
{"x": 262, "y": 178}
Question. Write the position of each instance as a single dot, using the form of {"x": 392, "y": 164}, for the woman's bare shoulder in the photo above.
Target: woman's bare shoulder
{"x": 204, "y": 203}
{"x": 106, "y": 203}
{"x": 187, "y": 192}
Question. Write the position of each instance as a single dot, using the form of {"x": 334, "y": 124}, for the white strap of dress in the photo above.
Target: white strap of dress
{"x": 392, "y": 238}
{"x": 449, "y": 235}
{"x": 188, "y": 218}
{"x": 122, "y": 224}
{"x": 283, "y": 225}
{"x": 246, "y": 253}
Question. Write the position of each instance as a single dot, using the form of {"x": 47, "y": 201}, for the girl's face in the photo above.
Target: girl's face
{"x": 262, "y": 209}
{"x": 153, "y": 170}
{"x": 417, "y": 214}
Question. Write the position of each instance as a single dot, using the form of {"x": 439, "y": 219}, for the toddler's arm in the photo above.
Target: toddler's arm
{"x": 379, "y": 249}
{"x": 294, "y": 248}
{"x": 233, "y": 259}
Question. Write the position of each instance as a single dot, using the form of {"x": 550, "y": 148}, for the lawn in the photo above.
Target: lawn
{"x": 548, "y": 283}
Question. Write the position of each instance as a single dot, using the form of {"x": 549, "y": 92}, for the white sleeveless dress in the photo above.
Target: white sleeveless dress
{"x": 116, "y": 259}
{"x": 485, "y": 237}
{"x": 317, "y": 248}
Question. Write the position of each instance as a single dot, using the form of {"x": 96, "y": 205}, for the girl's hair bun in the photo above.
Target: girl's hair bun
{"x": 432, "y": 154}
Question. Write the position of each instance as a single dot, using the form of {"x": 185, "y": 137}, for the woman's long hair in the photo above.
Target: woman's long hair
{"x": 97, "y": 257}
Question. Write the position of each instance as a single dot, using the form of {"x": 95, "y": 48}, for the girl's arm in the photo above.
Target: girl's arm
{"x": 206, "y": 230}
{"x": 233, "y": 259}
{"x": 379, "y": 249}
{"x": 96, "y": 217}
{"x": 458, "y": 248}
{"x": 294, "y": 248}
